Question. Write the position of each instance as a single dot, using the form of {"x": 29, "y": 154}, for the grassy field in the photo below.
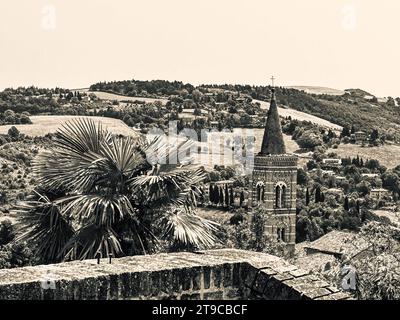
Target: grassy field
{"x": 318, "y": 90}
{"x": 388, "y": 155}
{"x": 302, "y": 116}
{"x": 42, "y": 125}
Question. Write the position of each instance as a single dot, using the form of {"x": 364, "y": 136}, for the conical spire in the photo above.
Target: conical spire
{"x": 273, "y": 138}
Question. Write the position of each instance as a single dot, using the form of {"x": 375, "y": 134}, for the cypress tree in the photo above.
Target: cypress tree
{"x": 318, "y": 195}
{"x": 216, "y": 195}
{"x": 232, "y": 198}
{"x": 345, "y": 132}
{"x": 241, "y": 198}
{"x": 346, "y": 204}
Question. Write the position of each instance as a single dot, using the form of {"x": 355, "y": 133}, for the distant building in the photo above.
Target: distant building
{"x": 86, "y": 99}
{"x": 379, "y": 193}
{"x": 328, "y": 172}
{"x": 360, "y": 137}
{"x": 186, "y": 119}
{"x": 214, "y": 124}
{"x": 240, "y": 99}
{"x": 370, "y": 175}
{"x": 189, "y": 117}
{"x": 202, "y": 112}
{"x": 340, "y": 178}
{"x": 336, "y": 192}
{"x": 323, "y": 172}
{"x": 331, "y": 163}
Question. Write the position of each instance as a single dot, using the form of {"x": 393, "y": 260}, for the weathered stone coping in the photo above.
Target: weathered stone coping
{"x": 213, "y": 274}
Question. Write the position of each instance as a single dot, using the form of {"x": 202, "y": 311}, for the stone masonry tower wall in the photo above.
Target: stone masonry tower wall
{"x": 274, "y": 182}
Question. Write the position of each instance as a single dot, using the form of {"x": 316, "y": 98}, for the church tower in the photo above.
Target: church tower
{"x": 274, "y": 181}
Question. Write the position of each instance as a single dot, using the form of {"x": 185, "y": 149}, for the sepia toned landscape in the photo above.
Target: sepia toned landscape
{"x": 154, "y": 188}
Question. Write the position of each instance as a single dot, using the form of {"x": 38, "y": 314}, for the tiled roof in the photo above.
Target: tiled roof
{"x": 339, "y": 243}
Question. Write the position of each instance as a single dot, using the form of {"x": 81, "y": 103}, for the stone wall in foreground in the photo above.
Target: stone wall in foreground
{"x": 215, "y": 274}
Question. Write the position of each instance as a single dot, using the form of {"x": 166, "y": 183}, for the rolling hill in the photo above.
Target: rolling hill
{"x": 283, "y": 111}
{"x": 318, "y": 90}
{"x": 119, "y": 97}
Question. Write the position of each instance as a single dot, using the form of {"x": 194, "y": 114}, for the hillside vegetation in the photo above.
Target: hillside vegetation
{"x": 348, "y": 110}
{"x": 354, "y": 108}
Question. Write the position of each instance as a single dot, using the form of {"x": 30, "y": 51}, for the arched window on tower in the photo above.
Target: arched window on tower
{"x": 280, "y": 194}
{"x": 283, "y": 196}
{"x": 277, "y": 196}
{"x": 281, "y": 234}
{"x": 260, "y": 192}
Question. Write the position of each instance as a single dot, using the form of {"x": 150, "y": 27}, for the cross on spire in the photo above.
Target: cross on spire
{"x": 273, "y": 143}
{"x": 273, "y": 80}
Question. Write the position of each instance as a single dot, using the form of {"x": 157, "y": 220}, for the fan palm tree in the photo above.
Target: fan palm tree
{"x": 101, "y": 194}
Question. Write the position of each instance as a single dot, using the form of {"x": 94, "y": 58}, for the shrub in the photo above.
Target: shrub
{"x": 13, "y": 132}
{"x": 237, "y": 218}
{"x": 15, "y": 255}
{"x": 6, "y": 232}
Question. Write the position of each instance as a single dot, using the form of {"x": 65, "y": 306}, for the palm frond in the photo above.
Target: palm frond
{"x": 136, "y": 235}
{"x": 71, "y": 163}
{"x": 100, "y": 209}
{"x": 190, "y": 230}
{"x": 82, "y": 135}
{"x": 85, "y": 155}
{"x": 91, "y": 240}
{"x": 122, "y": 160}
{"x": 171, "y": 187}
{"x": 41, "y": 223}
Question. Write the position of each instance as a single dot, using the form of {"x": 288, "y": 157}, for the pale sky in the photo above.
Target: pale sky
{"x": 74, "y": 43}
